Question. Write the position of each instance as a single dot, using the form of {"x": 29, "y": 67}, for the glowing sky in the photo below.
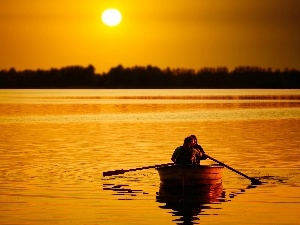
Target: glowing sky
{"x": 169, "y": 33}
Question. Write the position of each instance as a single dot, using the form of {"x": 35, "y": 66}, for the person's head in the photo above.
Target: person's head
{"x": 194, "y": 139}
{"x": 188, "y": 142}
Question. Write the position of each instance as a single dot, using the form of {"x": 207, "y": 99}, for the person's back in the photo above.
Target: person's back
{"x": 183, "y": 154}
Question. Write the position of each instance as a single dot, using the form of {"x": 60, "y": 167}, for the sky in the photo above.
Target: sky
{"x": 189, "y": 34}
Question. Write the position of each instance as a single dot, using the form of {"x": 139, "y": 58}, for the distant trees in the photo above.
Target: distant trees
{"x": 72, "y": 76}
{"x": 151, "y": 77}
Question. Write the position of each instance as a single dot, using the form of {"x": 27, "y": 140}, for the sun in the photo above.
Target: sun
{"x": 111, "y": 17}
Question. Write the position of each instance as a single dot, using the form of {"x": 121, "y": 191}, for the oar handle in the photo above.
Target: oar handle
{"x": 117, "y": 172}
{"x": 253, "y": 180}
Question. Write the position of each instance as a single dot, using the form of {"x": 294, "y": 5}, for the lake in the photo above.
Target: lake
{"x": 55, "y": 145}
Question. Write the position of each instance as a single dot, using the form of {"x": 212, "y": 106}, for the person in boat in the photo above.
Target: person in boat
{"x": 198, "y": 152}
{"x": 183, "y": 155}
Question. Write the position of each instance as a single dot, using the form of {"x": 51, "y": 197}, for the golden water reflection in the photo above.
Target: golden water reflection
{"x": 54, "y": 151}
{"x": 186, "y": 204}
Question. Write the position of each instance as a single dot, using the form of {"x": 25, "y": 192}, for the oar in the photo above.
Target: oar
{"x": 117, "y": 172}
{"x": 253, "y": 180}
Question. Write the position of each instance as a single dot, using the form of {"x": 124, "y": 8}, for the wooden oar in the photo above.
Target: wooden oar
{"x": 117, "y": 172}
{"x": 253, "y": 180}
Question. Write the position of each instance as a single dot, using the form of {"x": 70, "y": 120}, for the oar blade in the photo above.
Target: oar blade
{"x": 114, "y": 172}
{"x": 255, "y": 181}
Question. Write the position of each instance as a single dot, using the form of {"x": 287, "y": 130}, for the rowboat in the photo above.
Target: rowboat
{"x": 190, "y": 175}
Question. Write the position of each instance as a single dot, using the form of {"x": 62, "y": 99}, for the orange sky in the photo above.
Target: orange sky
{"x": 169, "y": 33}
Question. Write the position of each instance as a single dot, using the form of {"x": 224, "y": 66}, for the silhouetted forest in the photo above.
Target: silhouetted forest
{"x": 151, "y": 77}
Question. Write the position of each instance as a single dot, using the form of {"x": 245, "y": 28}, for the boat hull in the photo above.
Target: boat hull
{"x": 190, "y": 175}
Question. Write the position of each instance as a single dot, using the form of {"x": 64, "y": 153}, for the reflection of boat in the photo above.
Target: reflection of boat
{"x": 187, "y": 203}
{"x": 189, "y": 175}
{"x": 200, "y": 194}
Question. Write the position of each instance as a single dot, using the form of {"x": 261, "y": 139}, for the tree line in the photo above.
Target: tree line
{"x": 151, "y": 77}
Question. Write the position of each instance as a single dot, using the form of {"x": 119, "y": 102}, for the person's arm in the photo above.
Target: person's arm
{"x": 203, "y": 156}
{"x": 175, "y": 154}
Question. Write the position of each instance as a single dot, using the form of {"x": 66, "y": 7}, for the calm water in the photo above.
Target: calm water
{"x": 55, "y": 144}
